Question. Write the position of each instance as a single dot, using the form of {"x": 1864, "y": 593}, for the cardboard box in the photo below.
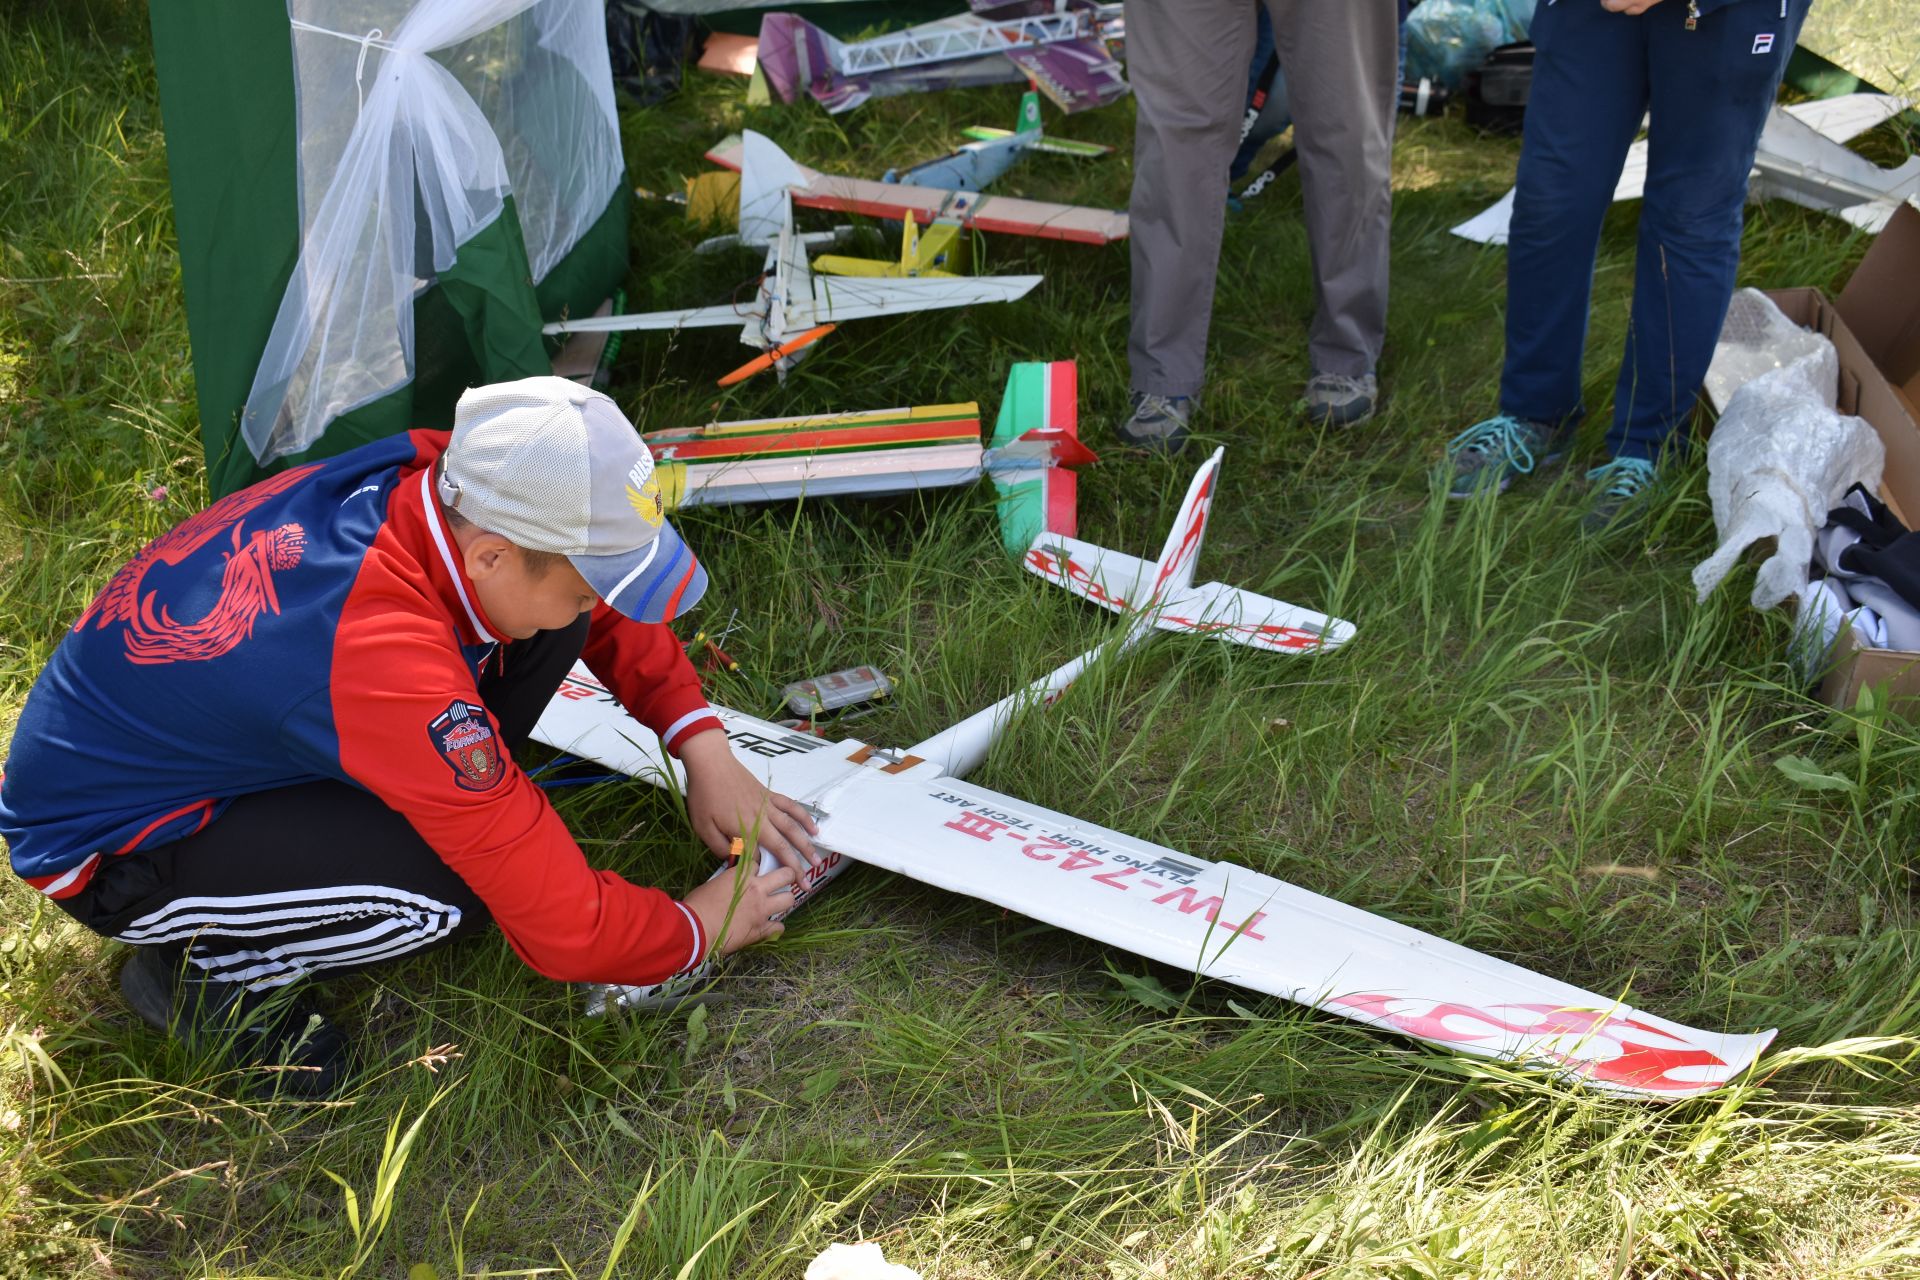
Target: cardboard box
{"x": 1875, "y": 329}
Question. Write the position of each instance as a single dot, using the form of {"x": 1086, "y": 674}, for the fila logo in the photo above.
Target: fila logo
{"x": 1763, "y": 43}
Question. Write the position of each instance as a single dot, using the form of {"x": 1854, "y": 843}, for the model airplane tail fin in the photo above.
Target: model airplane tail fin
{"x": 767, "y": 174}
{"x": 795, "y": 55}
{"x": 1035, "y": 440}
{"x": 1028, "y": 119}
{"x": 1174, "y": 569}
{"x": 909, "y": 246}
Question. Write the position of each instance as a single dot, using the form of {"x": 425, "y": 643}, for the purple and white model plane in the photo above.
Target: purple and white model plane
{"x": 910, "y": 812}
{"x": 1060, "y": 45}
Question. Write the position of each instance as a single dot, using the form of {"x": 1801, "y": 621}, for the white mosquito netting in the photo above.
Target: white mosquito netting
{"x": 416, "y": 119}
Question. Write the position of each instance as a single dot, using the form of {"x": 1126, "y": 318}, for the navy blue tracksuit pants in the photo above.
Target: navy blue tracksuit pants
{"x": 1706, "y": 92}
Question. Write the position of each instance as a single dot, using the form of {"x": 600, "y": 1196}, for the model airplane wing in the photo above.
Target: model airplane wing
{"x": 1214, "y": 919}
{"x": 1115, "y": 581}
{"x": 826, "y": 455}
{"x": 895, "y": 200}
{"x": 1800, "y": 159}
{"x": 839, "y": 298}
{"x": 1076, "y": 74}
{"x": 951, "y": 52}
{"x": 689, "y": 318}
{"x": 1049, "y": 145}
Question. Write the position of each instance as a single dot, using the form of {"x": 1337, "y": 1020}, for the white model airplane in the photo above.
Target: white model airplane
{"x": 794, "y": 308}
{"x": 910, "y": 812}
{"x": 1802, "y": 158}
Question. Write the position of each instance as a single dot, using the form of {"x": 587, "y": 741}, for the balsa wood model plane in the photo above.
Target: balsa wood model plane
{"x": 792, "y": 309}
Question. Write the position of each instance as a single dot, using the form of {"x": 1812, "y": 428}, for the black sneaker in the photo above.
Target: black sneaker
{"x": 277, "y": 1027}
{"x": 1158, "y": 423}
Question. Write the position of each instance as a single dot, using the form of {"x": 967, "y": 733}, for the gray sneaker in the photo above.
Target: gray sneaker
{"x": 1157, "y": 423}
{"x": 1340, "y": 401}
{"x": 1489, "y": 456}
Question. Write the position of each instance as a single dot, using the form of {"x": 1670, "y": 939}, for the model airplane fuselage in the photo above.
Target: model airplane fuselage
{"x": 1060, "y": 47}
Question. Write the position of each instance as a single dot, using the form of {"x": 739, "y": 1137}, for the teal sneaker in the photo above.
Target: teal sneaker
{"x": 1489, "y": 456}
{"x": 1616, "y": 489}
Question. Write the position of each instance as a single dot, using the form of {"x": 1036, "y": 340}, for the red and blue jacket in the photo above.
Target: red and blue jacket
{"x": 319, "y": 625}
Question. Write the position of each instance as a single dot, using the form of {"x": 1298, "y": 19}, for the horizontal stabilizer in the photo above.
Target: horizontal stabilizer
{"x": 1110, "y": 579}
{"x": 1163, "y": 591}
{"x": 1243, "y": 617}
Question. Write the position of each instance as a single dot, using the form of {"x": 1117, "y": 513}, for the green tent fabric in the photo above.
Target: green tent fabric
{"x": 246, "y": 104}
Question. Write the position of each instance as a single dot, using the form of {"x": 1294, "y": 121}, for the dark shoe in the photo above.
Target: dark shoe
{"x": 1489, "y": 456}
{"x": 1157, "y": 423}
{"x": 1339, "y": 401}
{"x": 278, "y": 1027}
{"x": 1618, "y": 491}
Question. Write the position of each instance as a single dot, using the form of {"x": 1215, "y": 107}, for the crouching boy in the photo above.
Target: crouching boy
{"x": 280, "y": 744}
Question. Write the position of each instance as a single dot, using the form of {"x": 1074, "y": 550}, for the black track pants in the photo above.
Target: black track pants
{"x": 314, "y": 879}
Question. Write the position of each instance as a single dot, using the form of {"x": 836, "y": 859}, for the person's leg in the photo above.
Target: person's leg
{"x": 1588, "y": 95}
{"x": 1187, "y": 61}
{"x": 319, "y": 878}
{"x": 1711, "y": 90}
{"x": 1339, "y": 61}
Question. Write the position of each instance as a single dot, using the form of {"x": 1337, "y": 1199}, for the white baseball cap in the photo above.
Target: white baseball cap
{"x": 551, "y": 465}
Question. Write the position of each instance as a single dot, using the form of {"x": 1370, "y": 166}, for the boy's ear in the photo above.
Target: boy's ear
{"x": 485, "y": 555}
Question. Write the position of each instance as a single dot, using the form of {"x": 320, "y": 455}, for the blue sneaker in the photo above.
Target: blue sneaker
{"x": 1616, "y": 488}
{"x": 1489, "y": 456}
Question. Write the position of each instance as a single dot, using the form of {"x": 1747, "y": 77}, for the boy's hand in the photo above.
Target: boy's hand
{"x": 1628, "y": 6}
{"x": 732, "y": 924}
{"x": 725, "y": 802}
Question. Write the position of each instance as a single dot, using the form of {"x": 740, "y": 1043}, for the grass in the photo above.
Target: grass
{"x": 1539, "y": 746}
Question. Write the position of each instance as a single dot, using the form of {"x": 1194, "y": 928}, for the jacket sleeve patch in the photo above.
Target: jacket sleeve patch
{"x": 463, "y": 735}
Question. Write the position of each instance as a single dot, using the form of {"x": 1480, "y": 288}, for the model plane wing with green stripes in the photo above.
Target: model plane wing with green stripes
{"x": 1030, "y": 456}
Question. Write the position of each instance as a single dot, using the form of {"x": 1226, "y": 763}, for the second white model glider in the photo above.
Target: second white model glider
{"x": 910, "y": 812}
{"x": 1802, "y": 158}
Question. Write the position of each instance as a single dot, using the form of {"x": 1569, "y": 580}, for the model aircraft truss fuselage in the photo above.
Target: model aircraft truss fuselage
{"x": 920, "y": 46}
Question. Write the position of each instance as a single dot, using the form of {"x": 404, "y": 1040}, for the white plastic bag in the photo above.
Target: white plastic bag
{"x": 417, "y": 119}
{"x": 1778, "y": 461}
{"x": 1756, "y": 337}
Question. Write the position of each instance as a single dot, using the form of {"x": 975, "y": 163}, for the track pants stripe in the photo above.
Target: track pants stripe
{"x": 288, "y": 909}
{"x": 308, "y": 930}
